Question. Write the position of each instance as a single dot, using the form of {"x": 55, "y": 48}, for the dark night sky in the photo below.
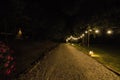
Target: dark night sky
{"x": 69, "y": 7}
{"x": 73, "y": 7}
{"x": 37, "y": 14}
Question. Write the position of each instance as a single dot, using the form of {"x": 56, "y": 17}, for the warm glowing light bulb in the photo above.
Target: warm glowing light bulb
{"x": 97, "y": 31}
{"x": 83, "y": 35}
{"x": 86, "y": 32}
{"x": 109, "y": 32}
{"x": 91, "y": 53}
{"x": 20, "y": 32}
{"x": 66, "y": 40}
{"x": 90, "y": 30}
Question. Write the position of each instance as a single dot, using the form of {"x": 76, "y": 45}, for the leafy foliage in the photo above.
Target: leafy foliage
{"x": 7, "y": 61}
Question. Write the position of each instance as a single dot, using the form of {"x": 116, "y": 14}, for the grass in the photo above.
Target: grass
{"x": 109, "y": 54}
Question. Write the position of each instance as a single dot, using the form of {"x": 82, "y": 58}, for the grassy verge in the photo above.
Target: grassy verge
{"x": 108, "y": 55}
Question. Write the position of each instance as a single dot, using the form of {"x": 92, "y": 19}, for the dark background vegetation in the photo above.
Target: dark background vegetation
{"x": 55, "y": 19}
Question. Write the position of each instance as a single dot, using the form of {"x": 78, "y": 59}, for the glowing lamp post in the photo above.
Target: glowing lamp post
{"x": 97, "y": 31}
{"x": 19, "y": 35}
{"x": 89, "y": 31}
{"x": 109, "y": 32}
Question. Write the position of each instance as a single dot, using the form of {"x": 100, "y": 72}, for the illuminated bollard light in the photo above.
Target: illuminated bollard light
{"x": 91, "y": 53}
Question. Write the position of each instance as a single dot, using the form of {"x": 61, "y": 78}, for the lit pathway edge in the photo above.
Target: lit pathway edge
{"x": 108, "y": 67}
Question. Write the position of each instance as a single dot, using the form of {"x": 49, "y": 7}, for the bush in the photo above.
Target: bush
{"x": 7, "y": 62}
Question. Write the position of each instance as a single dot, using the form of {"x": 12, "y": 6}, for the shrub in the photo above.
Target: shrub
{"x": 7, "y": 61}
